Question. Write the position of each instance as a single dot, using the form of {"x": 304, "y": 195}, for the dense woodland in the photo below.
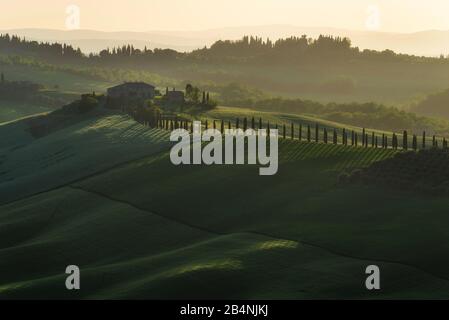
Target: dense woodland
{"x": 248, "y": 49}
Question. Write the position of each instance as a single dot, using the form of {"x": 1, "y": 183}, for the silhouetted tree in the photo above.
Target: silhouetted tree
{"x": 424, "y": 140}
{"x": 405, "y": 140}
{"x": 364, "y": 137}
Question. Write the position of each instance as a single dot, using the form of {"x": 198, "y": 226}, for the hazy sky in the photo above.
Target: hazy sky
{"x": 145, "y": 15}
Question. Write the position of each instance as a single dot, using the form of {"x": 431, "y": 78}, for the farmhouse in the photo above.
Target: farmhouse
{"x": 175, "y": 96}
{"x": 140, "y": 90}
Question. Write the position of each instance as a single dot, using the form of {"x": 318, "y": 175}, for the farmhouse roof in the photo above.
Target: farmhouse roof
{"x": 134, "y": 84}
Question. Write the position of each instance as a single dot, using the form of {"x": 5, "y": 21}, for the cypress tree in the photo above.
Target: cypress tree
{"x": 405, "y": 140}
{"x": 207, "y": 124}
{"x": 215, "y": 126}
{"x": 260, "y": 123}
{"x": 292, "y": 131}
{"x": 344, "y": 137}
{"x": 424, "y": 140}
{"x": 268, "y": 128}
{"x": 377, "y": 144}
{"x": 415, "y": 142}
{"x": 352, "y": 138}
{"x": 253, "y": 124}
{"x": 372, "y": 140}
{"x": 245, "y": 124}
{"x": 222, "y": 127}
{"x": 434, "y": 141}
{"x": 237, "y": 123}
{"x": 356, "y": 138}
{"x": 364, "y": 138}
{"x": 317, "y": 133}
{"x": 308, "y": 133}
{"x": 335, "y": 139}
{"x": 325, "y": 135}
{"x": 284, "y": 131}
{"x": 229, "y": 124}
{"x": 300, "y": 132}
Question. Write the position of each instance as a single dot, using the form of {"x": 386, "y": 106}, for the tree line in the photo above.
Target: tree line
{"x": 307, "y": 132}
{"x": 247, "y": 49}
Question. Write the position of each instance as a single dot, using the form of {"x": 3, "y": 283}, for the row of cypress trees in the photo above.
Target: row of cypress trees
{"x": 348, "y": 137}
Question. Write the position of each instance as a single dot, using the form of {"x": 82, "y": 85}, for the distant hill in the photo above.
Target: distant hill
{"x": 429, "y": 42}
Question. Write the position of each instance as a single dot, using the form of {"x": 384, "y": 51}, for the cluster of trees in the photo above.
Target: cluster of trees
{"x": 87, "y": 103}
{"x": 44, "y": 49}
{"x": 195, "y": 97}
{"x": 253, "y": 48}
{"x": 128, "y": 51}
{"x": 148, "y": 113}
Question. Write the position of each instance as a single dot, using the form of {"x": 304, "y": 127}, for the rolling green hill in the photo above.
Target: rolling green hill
{"x": 103, "y": 195}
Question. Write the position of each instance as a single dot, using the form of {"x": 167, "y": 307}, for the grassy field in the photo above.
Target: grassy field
{"x": 103, "y": 195}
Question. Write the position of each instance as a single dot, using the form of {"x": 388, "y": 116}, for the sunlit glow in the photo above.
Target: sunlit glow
{"x": 143, "y": 15}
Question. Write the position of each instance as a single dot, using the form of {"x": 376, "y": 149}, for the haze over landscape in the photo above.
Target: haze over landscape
{"x": 412, "y": 27}
{"x": 428, "y": 43}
